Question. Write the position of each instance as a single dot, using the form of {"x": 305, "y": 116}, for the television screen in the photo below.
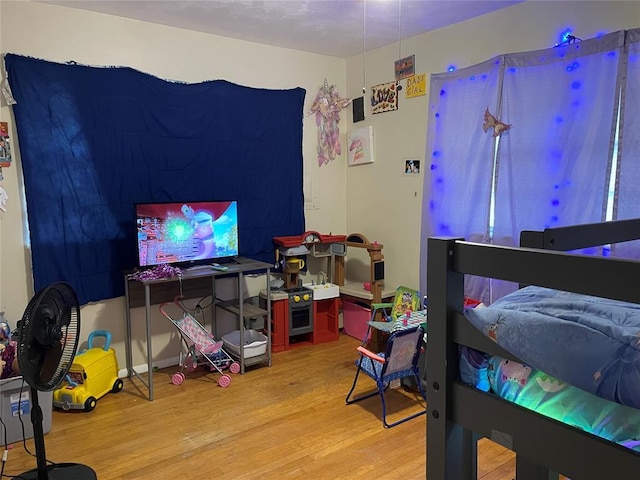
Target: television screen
{"x": 186, "y": 232}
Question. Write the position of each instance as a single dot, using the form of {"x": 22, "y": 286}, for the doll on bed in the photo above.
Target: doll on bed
{"x": 7, "y": 352}
{"x": 552, "y": 397}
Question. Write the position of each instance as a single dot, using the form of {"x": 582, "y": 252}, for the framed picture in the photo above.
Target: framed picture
{"x": 416, "y": 85}
{"x": 360, "y": 146}
{"x": 384, "y": 97}
{"x": 5, "y": 147}
{"x": 411, "y": 167}
{"x": 405, "y": 67}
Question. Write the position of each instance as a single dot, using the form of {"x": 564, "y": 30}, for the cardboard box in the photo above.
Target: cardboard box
{"x": 15, "y": 409}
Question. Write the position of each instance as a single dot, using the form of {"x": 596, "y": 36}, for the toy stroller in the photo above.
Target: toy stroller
{"x": 202, "y": 348}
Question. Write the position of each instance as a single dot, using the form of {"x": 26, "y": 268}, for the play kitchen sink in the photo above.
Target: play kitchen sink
{"x": 322, "y": 291}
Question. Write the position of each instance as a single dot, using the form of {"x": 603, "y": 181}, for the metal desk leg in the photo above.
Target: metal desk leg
{"x": 127, "y": 343}
{"x": 241, "y": 326}
{"x": 269, "y": 315}
{"x": 214, "y": 323}
{"x": 147, "y": 315}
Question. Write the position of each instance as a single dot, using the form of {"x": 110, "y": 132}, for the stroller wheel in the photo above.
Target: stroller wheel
{"x": 234, "y": 367}
{"x": 177, "y": 378}
{"x": 224, "y": 381}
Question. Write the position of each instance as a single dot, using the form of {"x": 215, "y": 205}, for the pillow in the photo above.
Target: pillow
{"x": 589, "y": 342}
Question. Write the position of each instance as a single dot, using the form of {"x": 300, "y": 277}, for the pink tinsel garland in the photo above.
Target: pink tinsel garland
{"x": 157, "y": 272}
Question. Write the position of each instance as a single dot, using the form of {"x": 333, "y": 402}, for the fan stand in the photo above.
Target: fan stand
{"x": 58, "y": 471}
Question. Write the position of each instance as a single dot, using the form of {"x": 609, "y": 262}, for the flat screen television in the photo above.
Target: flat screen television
{"x": 187, "y": 232}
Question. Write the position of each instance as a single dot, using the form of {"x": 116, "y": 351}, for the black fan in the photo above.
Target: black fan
{"x": 47, "y": 342}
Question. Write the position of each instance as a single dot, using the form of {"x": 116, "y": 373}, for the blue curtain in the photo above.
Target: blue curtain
{"x": 95, "y": 141}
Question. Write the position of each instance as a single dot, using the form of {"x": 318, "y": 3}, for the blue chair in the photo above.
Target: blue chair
{"x": 400, "y": 360}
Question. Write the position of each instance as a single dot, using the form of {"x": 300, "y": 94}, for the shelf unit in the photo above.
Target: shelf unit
{"x": 193, "y": 284}
{"x": 244, "y": 311}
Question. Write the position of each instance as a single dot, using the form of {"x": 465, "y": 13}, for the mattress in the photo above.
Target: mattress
{"x": 588, "y": 342}
{"x": 549, "y": 396}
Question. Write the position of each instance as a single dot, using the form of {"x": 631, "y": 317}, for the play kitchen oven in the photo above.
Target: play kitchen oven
{"x": 300, "y": 310}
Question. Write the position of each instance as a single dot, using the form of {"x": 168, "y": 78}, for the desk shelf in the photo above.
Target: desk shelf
{"x": 248, "y": 309}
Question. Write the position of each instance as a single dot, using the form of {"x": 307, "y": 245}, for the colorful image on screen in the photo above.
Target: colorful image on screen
{"x": 186, "y": 232}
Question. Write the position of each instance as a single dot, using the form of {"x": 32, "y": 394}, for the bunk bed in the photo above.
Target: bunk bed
{"x": 460, "y": 414}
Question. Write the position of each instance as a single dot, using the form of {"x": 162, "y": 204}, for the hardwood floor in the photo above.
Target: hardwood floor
{"x": 286, "y": 422}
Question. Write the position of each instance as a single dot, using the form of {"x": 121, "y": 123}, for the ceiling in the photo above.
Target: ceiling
{"x": 327, "y": 27}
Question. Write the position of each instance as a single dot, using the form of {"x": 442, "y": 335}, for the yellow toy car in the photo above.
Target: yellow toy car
{"x": 93, "y": 374}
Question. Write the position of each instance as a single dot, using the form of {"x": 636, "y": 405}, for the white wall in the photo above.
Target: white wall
{"x": 376, "y": 199}
{"x": 382, "y": 203}
{"x": 61, "y": 34}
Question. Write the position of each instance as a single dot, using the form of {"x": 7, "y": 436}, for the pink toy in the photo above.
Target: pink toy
{"x": 202, "y": 348}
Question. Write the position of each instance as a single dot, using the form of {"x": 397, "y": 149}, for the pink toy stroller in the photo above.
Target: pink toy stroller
{"x": 202, "y": 348}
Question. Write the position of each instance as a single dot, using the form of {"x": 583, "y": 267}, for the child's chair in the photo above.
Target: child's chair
{"x": 405, "y": 299}
{"x": 399, "y": 361}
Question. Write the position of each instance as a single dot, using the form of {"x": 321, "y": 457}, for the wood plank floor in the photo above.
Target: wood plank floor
{"x": 288, "y": 421}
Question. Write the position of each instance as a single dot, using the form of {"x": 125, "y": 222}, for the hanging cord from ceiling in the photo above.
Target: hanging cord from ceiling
{"x": 364, "y": 46}
{"x": 398, "y": 86}
{"x": 399, "y": 29}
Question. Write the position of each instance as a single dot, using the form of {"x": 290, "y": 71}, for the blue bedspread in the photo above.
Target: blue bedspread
{"x": 591, "y": 343}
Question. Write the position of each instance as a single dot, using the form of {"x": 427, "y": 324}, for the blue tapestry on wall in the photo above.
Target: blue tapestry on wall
{"x": 95, "y": 141}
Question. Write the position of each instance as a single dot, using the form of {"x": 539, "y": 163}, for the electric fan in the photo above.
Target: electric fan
{"x": 47, "y": 342}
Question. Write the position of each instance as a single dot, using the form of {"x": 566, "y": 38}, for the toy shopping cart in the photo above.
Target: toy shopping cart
{"x": 202, "y": 348}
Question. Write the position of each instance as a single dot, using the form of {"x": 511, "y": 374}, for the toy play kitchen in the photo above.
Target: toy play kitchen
{"x": 332, "y": 288}
{"x": 304, "y": 314}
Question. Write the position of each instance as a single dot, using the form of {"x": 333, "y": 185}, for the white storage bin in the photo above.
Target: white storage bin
{"x": 255, "y": 343}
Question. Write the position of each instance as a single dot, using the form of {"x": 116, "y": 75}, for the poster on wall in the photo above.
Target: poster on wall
{"x": 405, "y": 67}
{"x": 417, "y": 85}
{"x": 5, "y": 148}
{"x": 384, "y": 97}
{"x": 411, "y": 167}
{"x": 360, "y": 143}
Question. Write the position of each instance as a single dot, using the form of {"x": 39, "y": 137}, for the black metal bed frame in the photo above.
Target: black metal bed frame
{"x": 458, "y": 414}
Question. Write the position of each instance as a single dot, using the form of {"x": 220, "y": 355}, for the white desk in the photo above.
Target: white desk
{"x": 193, "y": 284}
